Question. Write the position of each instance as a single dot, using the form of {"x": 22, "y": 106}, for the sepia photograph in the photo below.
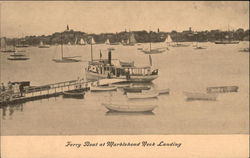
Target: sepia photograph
{"x": 124, "y": 68}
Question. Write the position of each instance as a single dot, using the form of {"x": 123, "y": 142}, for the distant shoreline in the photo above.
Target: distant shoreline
{"x": 73, "y": 37}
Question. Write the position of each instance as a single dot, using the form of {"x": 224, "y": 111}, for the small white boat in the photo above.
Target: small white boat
{"x": 160, "y": 91}
{"x": 102, "y": 88}
{"x": 129, "y": 108}
{"x": 164, "y": 91}
{"x": 200, "y": 96}
{"x": 223, "y": 89}
{"x": 135, "y": 88}
{"x": 18, "y": 58}
{"x": 143, "y": 95}
{"x": 106, "y": 81}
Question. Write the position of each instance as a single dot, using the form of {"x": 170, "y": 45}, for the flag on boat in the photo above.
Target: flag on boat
{"x": 150, "y": 60}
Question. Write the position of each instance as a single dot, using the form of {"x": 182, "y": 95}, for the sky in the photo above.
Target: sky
{"x": 43, "y": 18}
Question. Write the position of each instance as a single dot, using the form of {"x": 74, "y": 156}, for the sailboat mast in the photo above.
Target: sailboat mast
{"x": 149, "y": 42}
{"x": 61, "y": 46}
{"x": 91, "y": 50}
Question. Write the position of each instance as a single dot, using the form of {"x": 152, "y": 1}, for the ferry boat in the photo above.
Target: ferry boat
{"x": 113, "y": 68}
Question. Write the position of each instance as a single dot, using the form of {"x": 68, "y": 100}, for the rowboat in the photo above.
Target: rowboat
{"x": 129, "y": 108}
{"x": 143, "y": 95}
{"x": 160, "y": 91}
{"x": 66, "y": 60}
{"x": 223, "y": 89}
{"x": 136, "y": 88}
{"x": 121, "y": 85}
{"x": 102, "y": 88}
{"x": 200, "y": 96}
{"x": 78, "y": 93}
{"x": 18, "y": 58}
{"x": 163, "y": 91}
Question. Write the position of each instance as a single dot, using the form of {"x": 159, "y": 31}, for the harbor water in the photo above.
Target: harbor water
{"x": 180, "y": 69}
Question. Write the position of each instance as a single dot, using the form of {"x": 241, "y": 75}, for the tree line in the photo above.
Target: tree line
{"x": 73, "y": 37}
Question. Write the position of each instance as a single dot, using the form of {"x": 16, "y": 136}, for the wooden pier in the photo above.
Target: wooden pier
{"x": 50, "y": 90}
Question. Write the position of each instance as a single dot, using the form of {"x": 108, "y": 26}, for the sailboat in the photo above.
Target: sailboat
{"x": 4, "y": 47}
{"x": 198, "y": 47}
{"x": 92, "y": 41}
{"x": 82, "y": 42}
{"x": 197, "y": 44}
{"x": 168, "y": 40}
{"x": 177, "y": 44}
{"x": 153, "y": 51}
{"x": 42, "y": 45}
{"x": 65, "y": 59}
{"x": 131, "y": 40}
{"x": 229, "y": 39}
{"x": 107, "y": 42}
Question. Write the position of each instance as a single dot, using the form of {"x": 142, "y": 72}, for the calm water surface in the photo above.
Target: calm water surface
{"x": 180, "y": 69}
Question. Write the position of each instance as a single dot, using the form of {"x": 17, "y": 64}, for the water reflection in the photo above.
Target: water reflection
{"x": 189, "y": 100}
{"x": 9, "y": 110}
{"x": 116, "y": 113}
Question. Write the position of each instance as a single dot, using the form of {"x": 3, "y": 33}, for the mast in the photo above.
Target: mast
{"x": 149, "y": 41}
{"x": 91, "y": 50}
{"x": 61, "y": 46}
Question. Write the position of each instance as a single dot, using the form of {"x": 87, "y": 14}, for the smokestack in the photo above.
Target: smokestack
{"x": 109, "y": 57}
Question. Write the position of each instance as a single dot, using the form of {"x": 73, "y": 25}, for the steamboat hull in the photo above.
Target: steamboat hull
{"x": 147, "y": 78}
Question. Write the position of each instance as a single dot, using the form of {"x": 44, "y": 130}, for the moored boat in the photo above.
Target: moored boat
{"x": 164, "y": 91}
{"x": 143, "y": 95}
{"x": 227, "y": 42}
{"x": 5, "y": 48}
{"x": 78, "y": 93}
{"x": 222, "y": 89}
{"x": 18, "y": 58}
{"x": 199, "y": 47}
{"x": 154, "y": 51}
{"x": 63, "y": 59}
{"x": 160, "y": 91}
{"x": 228, "y": 39}
{"x": 108, "y": 68}
{"x": 180, "y": 45}
{"x": 102, "y": 88}
{"x": 132, "y": 89}
{"x": 17, "y": 54}
{"x": 129, "y": 108}
{"x": 131, "y": 40}
{"x": 42, "y": 45}
{"x": 120, "y": 85}
{"x": 200, "y": 96}
{"x": 66, "y": 60}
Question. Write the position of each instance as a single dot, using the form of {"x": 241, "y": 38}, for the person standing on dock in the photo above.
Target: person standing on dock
{"x": 2, "y": 88}
{"x": 10, "y": 87}
{"x": 78, "y": 83}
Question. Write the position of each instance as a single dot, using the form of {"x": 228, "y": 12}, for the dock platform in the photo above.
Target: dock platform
{"x": 50, "y": 90}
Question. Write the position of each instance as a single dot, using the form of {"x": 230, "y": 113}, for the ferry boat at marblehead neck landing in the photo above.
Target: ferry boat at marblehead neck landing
{"x": 115, "y": 69}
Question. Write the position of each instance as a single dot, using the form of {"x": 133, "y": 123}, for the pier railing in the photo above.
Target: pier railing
{"x": 45, "y": 90}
